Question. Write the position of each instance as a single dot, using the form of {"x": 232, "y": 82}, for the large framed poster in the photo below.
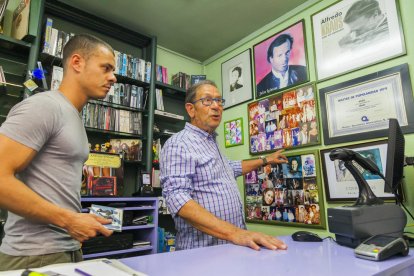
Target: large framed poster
{"x": 352, "y": 34}
{"x": 285, "y": 120}
{"x": 286, "y": 194}
{"x": 280, "y": 61}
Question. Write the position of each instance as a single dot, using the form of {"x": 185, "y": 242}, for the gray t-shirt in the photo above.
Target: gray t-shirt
{"x": 48, "y": 123}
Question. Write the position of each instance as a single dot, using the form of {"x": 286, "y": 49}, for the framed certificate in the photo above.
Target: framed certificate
{"x": 359, "y": 109}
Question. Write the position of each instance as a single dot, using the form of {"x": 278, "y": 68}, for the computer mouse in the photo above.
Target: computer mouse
{"x": 305, "y": 236}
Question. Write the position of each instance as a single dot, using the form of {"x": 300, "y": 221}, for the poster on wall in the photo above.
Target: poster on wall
{"x": 286, "y": 194}
{"x": 284, "y": 120}
{"x": 356, "y": 33}
{"x": 280, "y": 61}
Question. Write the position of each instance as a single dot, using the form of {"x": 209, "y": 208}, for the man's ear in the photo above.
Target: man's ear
{"x": 190, "y": 110}
{"x": 76, "y": 62}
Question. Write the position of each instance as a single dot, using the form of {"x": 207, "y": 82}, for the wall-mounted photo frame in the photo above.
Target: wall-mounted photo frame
{"x": 236, "y": 76}
{"x": 359, "y": 109}
{"x": 233, "y": 133}
{"x": 352, "y": 34}
{"x": 285, "y": 54}
{"x": 340, "y": 185}
{"x": 285, "y": 120}
{"x": 286, "y": 194}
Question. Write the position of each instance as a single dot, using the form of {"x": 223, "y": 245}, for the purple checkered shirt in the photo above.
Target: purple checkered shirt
{"x": 192, "y": 167}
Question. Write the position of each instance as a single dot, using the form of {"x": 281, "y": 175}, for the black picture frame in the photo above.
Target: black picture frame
{"x": 286, "y": 194}
{"x": 360, "y": 101}
{"x": 297, "y": 60}
{"x": 340, "y": 185}
{"x": 288, "y": 119}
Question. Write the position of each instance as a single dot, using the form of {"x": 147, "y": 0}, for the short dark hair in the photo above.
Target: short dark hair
{"x": 238, "y": 69}
{"x": 192, "y": 91}
{"x": 85, "y": 44}
{"x": 366, "y": 8}
{"x": 277, "y": 42}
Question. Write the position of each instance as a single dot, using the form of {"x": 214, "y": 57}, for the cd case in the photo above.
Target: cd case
{"x": 115, "y": 214}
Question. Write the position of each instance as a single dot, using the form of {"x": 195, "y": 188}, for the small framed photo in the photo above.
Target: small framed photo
{"x": 236, "y": 78}
{"x": 280, "y": 61}
{"x": 340, "y": 185}
{"x": 355, "y": 34}
{"x": 284, "y": 120}
{"x": 286, "y": 194}
{"x": 233, "y": 133}
{"x": 359, "y": 109}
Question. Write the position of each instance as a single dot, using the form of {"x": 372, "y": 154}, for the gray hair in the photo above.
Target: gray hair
{"x": 192, "y": 91}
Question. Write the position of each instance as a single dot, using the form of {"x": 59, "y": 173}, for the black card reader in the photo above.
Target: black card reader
{"x": 381, "y": 247}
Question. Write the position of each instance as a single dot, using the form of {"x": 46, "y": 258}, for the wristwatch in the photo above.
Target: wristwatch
{"x": 264, "y": 160}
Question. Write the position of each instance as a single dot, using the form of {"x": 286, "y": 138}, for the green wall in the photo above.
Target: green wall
{"x": 176, "y": 62}
{"x": 212, "y": 68}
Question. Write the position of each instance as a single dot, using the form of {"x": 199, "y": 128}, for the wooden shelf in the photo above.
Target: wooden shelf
{"x": 170, "y": 90}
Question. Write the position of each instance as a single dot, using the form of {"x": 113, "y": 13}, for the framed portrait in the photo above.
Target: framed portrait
{"x": 340, "y": 185}
{"x": 233, "y": 133}
{"x": 280, "y": 61}
{"x": 284, "y": 120}
{"x": 355, "y": 34}
{"x": 236, "y": 78}
{"x": 286, "y": 194}
{"x": 359, "y": 109}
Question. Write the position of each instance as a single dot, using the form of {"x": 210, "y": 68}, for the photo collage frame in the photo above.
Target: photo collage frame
{"x": 285, "y": 120}
{"x": 287, "y": 193}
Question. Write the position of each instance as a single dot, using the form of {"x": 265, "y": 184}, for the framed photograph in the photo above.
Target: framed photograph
{"x": 355, "y": 34}
{"x": 280, "y": 61}
{"x": 340, "y": 185}
{"x": 236, "y": 78}
{"x": 286, "y": 194}
{"x": 359, "y": 109}
{"x": 233, "y": 133}
{"x": 284, "y": 120}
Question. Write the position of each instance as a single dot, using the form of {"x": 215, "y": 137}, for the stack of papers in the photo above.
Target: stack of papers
{"x": 96, "y": 267}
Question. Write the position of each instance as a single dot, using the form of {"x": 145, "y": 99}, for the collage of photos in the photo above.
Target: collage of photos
{"x": 288, "y": 119}
{"x": 284, "y": 192}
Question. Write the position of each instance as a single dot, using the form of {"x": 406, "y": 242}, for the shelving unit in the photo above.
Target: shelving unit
{"x": 139, "y": 206}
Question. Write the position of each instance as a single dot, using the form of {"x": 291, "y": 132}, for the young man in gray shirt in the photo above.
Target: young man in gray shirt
{"x": 43, "y": 146}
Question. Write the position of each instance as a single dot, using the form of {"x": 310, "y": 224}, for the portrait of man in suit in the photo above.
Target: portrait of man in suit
{"x": 282, "y": 73}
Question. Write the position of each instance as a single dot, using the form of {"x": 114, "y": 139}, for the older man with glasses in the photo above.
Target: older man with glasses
{"x": 199, "y": 183}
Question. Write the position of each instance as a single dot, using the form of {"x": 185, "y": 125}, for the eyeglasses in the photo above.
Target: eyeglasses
{"x": 209, "y": 101}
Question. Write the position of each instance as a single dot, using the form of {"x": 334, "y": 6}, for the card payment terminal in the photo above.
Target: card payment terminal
{"x": 381, "y": 247}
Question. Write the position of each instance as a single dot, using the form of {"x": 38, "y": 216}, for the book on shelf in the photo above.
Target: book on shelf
{"x": 197, "y": 78}
{"x": 168, "y": 114}
{"x": 114, "y": 214}
{"x": 159, "y": 99}
{"x": 20, "y": 21}
{"x": 57, "y": 76}
{"x": 102, "y": 185}
{"x": 2, "y": 77}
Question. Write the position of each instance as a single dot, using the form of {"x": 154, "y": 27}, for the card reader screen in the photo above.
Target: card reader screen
{"x": 380, "y": 240}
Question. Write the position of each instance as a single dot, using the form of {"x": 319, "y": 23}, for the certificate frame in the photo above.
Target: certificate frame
{"x": 295, "y": 189}
{"x": 367, "y": 103}
{"x": 242, "y": 92}
{"x": 341, "y": 186}
{"x": 233, "y": 133}
{"x": 297, "y": 60}
{"x": 334, "y": 43}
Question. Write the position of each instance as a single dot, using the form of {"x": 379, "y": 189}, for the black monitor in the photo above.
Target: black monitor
{"x": 395, "y": 159}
